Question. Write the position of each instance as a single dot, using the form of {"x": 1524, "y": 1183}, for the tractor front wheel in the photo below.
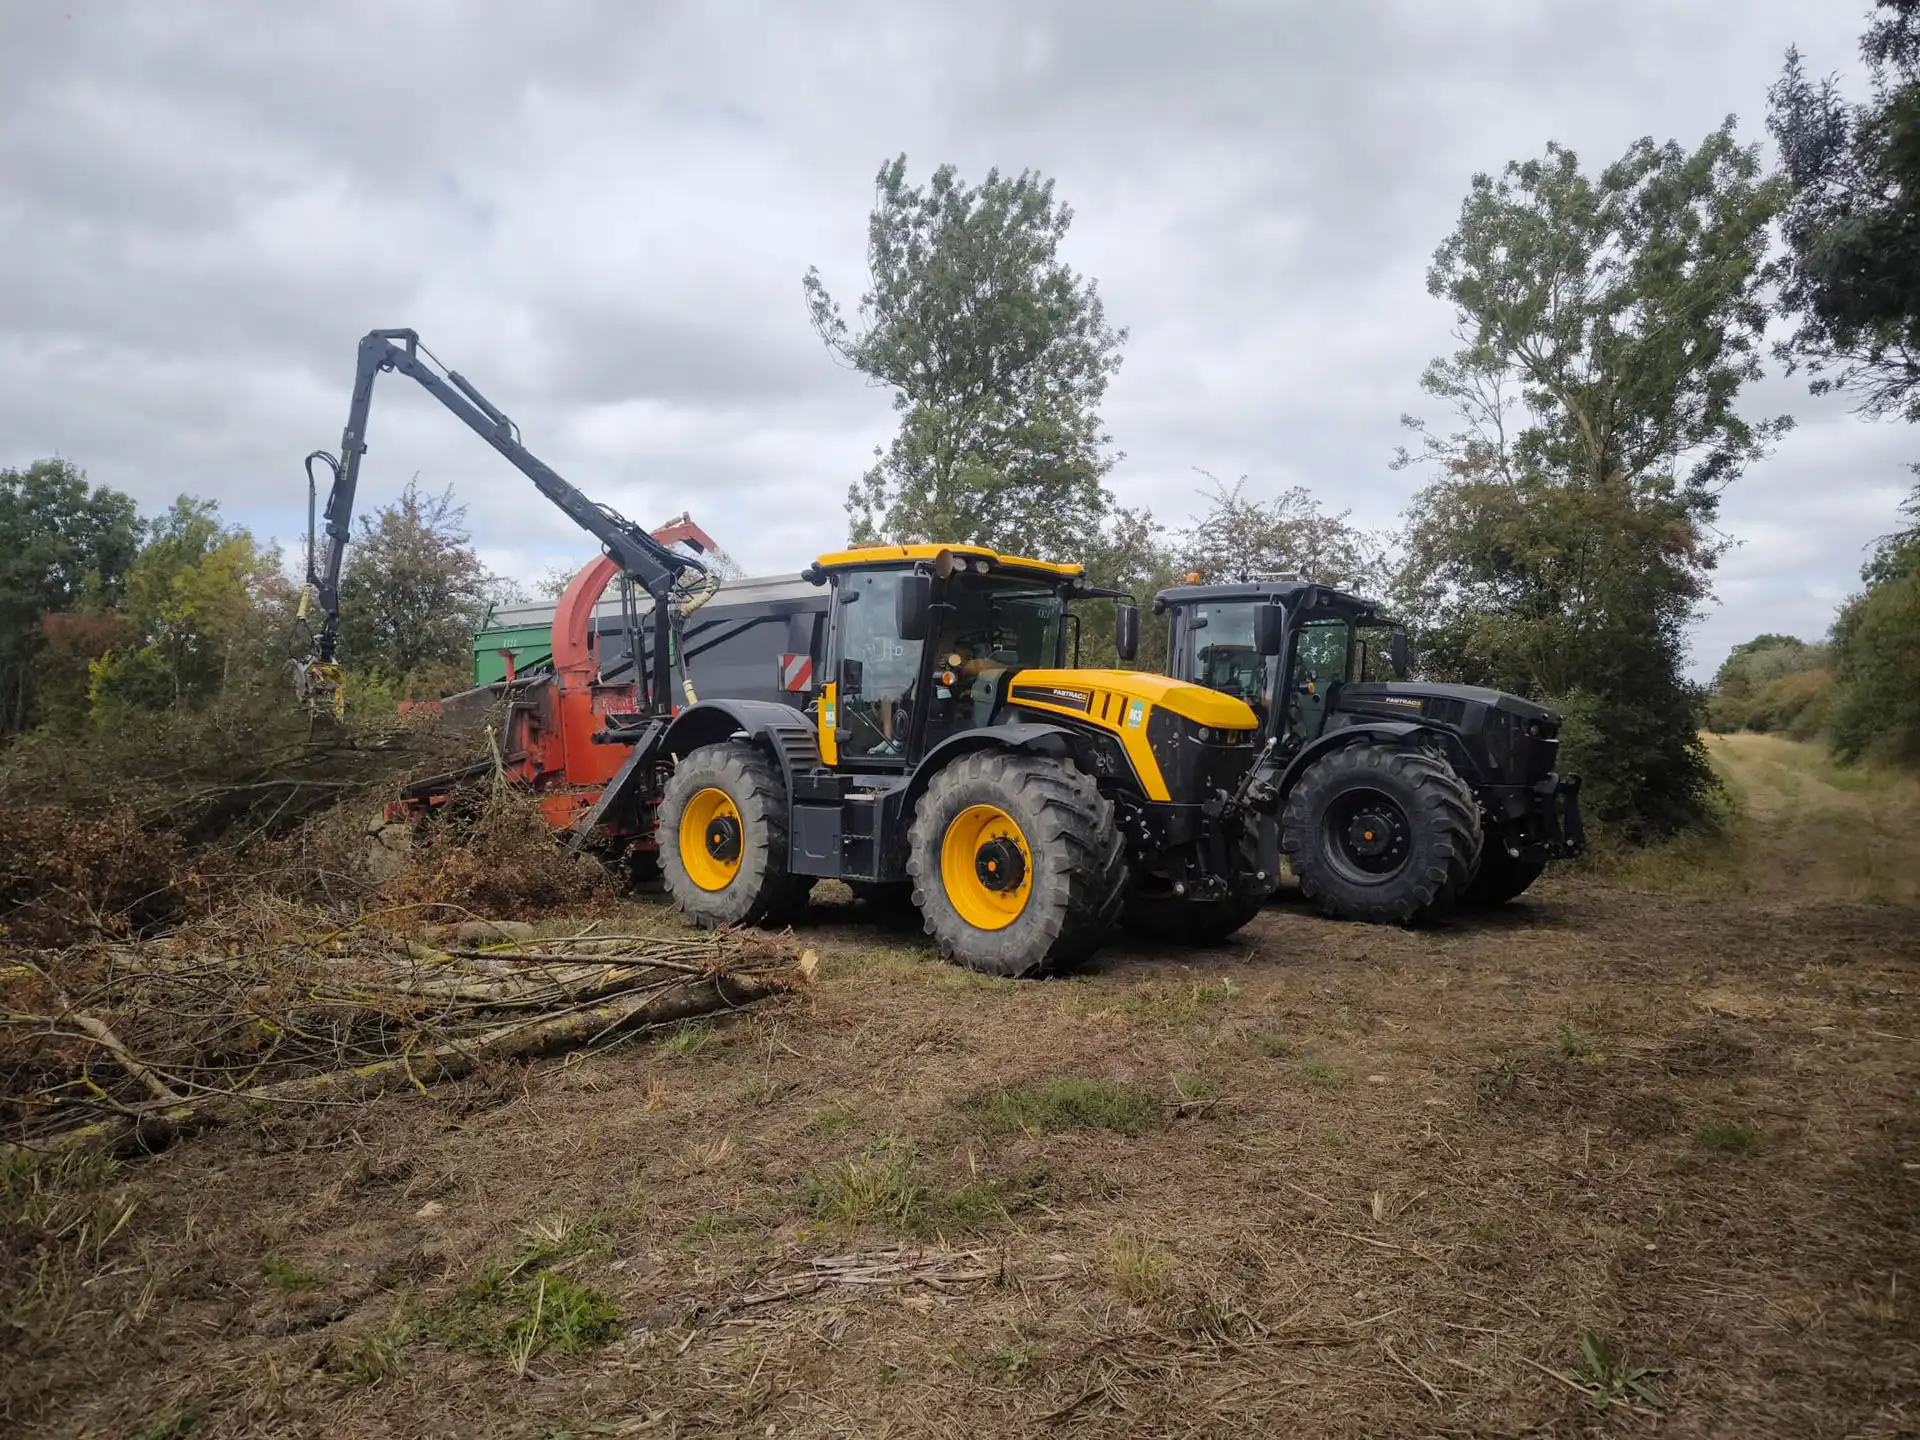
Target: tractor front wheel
{"x": 723, "y": 838}
{"x": 1017, "y": 863}
{"x": 1382, "y": 833}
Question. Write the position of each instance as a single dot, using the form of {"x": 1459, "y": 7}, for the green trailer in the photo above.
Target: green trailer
{"x": 524, "y": 635}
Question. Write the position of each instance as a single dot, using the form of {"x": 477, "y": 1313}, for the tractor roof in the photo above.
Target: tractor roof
{"x": 1290, "y": 593}
{"x": 893, "y": 555}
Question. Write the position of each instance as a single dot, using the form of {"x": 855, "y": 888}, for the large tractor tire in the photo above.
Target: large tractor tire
{"x": 1501, "y": 877}
{"x": 1381, "y": 833}
{"x": 723, "y": 839}
{"x": 1017, "y": 863}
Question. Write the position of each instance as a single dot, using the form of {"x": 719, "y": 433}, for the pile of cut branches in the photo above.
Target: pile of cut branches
{"x": 127, "y": 1046}
{"x": 126, "y": 830}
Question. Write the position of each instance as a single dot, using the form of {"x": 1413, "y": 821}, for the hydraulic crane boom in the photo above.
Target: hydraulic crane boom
{"x": 652, "y": 566}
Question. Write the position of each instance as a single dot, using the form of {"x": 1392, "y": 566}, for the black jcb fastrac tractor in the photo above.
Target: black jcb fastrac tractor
{"x": 954, "y": 761}
{"x": 1392, "y": 800}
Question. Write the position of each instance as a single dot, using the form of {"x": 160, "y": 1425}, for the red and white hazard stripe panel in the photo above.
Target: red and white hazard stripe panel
{"x": 796, "y": 672}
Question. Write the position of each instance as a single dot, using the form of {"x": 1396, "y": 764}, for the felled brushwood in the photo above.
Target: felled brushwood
{"x": 135, "y": 829}
{"x": 130, "y": 1047}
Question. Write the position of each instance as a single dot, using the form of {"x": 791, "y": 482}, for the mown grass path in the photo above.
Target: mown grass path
{"x": 1814, "y": 829}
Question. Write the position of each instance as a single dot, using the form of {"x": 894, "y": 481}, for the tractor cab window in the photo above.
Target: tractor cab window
{"x": 988, "y": 627}
{"x": 1372, "y": 655}
{"x": 1221, "y": 654}
{"x": 877, "y": 667}
{"x": 1322, "y": 658}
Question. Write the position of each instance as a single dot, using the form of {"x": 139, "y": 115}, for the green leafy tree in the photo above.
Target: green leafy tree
{"x": 199, "y": 610}
{"x": 998, "y": 355}
{"x": 1875, "y": 645}
{"x": 413, "y": 593}
{"x": 1771, "y": 682}
{"x": 65, "y": 547}
{"x": 1238, "y": 536}
{"x": 1765, "y": 658}
{"x": 1852, "y": 282}
{"x": 1606, "y": 326}
{"x": 1852, "y": 222}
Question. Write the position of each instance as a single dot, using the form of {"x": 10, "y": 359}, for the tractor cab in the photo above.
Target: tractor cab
{"x": 1286, "y": 648}
{"x": 925, "y": 639}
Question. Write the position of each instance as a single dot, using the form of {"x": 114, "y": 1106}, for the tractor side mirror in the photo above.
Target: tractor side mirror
{"x": 913, "y": 604}
{"x": 1397, "y": 654}
{"x": 849, "y": 678}
{"x": 1126, "y": 631}
{"x": 1269, "y": 629}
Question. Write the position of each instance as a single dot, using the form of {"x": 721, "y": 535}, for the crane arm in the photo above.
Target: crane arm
{"x": 651, "y": 565}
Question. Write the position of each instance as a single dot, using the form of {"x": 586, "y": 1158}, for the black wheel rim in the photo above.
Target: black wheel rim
{"x": 723, "y": 838}
{"x": 1366, "y": 837}
{"x": 1000, "y": 865}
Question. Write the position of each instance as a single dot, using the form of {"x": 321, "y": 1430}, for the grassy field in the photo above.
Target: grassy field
{"x": 1624, "y": 1157}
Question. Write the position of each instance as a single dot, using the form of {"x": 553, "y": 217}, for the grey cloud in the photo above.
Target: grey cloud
{"x": 600, "y": 211}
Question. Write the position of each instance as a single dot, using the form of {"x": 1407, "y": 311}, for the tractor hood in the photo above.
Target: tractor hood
{"x": 1442, "y": 704}
{"x": 1510, "y": 741}
{"x": 1182, "y": 741}
{"x": 1081, "y": 689}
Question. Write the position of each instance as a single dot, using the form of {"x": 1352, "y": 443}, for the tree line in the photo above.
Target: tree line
{"x": 1851, "y": 278}
{"x": 1560, "y": 541}
{"x": 107, "y": 615}
{"x": 1561, "y": 537}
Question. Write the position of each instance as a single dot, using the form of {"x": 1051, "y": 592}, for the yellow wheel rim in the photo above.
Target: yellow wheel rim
{"x": 711, "y": 839}
{"x": 986, "y": 867}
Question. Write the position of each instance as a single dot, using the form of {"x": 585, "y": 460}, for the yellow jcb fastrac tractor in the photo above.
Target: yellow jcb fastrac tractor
{"x": 946, "y": 754}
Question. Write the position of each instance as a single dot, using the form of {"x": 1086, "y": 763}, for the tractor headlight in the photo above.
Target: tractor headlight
{"x": 1217, "y": 735}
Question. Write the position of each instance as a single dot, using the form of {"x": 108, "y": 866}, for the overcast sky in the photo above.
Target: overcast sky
{"x": 600, "y": 211}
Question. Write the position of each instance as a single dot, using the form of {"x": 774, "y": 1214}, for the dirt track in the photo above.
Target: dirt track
{"x": 1386, "y": 1183}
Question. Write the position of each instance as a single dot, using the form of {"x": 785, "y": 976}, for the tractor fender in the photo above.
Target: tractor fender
{"x": 1378, "y": 731}
{"x": 783, "y": 731}
{"x": 1056, "y": 740}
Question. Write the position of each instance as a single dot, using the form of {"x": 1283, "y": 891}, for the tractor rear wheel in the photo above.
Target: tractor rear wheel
{"x": 1017, "y": 863}
{"x": 723, "y": 838}
{"x": 1501, "y": 877}
{"x": 1382, "y": 833}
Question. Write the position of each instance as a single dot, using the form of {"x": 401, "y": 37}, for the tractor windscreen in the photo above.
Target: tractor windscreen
{"x": 999, "y": 621}
{"x": 1222, "y": 655}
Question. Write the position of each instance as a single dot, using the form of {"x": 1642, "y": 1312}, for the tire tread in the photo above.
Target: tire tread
{"x": 1443, "y": 804}
{"x": 1075, "y": 822}
{"x": 759, "y": 792}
